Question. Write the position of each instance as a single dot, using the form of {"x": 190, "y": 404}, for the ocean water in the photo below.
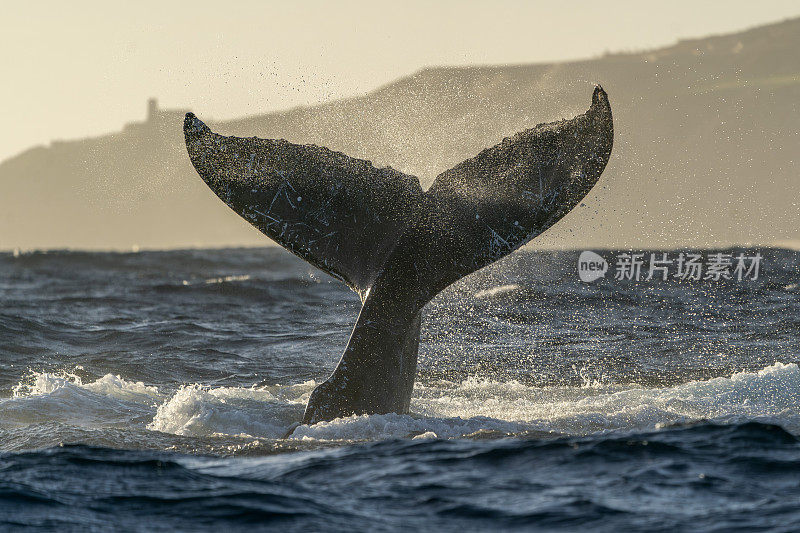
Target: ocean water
{"x": 154, "y": 391}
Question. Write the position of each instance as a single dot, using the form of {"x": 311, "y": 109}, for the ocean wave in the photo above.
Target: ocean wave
{"x": 440, "y": 410}
{"x": 63, "y": 398}
{"x": 109, "y": 385}
{"x": 259, "y": 412}
{"x": 748, "y": 471}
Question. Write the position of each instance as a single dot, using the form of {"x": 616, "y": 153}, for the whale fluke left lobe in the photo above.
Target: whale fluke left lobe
{"x": 341, "y": 214}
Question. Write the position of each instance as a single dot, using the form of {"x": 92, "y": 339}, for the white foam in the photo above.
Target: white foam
{"x": 459, "y": 409}
{"x": 442, "y": 409}
{"x": 262, "y": 412}
{"x": 108, "y": 385}
{"x": 62, "y": 397}
{"x": 394, "y": 426}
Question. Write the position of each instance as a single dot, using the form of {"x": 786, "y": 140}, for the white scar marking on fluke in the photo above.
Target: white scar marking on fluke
{"x": 498, "y": 237}
{"x": 328, "y": 236}
{"x": 541, "y": 183}
{"x": 282, "y": 190}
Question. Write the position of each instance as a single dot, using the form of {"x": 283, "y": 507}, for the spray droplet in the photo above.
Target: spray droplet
{"x": 477, "y": 217}
{"x": 299, "y": 198}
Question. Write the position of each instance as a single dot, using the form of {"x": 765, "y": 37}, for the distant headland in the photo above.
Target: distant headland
{"x": 705, "y": 151}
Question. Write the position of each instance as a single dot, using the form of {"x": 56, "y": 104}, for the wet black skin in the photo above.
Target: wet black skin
{"x": 395, "y": 245}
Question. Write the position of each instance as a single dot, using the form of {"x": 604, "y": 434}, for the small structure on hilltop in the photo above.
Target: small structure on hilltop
{"x": 158, "y": 118}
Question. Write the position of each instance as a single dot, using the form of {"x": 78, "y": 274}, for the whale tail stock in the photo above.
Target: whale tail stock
{"x": 394, "y": 244}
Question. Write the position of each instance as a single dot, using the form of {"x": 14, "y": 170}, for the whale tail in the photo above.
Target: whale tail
{"x": 393, "y": 244}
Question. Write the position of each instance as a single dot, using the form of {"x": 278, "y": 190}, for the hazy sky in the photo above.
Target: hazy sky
{"x": 82, "y": 68}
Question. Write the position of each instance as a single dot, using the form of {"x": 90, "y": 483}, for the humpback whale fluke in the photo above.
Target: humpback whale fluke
{"x": 395, "y": 245}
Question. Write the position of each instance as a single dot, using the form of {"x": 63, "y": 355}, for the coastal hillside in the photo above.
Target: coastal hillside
{"x": 705, "y": 154}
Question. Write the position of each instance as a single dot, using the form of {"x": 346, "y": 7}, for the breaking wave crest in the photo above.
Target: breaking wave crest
{"x": 258, "y": 412}
{"x": 440, "y": 409}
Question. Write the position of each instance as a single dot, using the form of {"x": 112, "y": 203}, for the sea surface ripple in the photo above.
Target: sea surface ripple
{"x": 154, "y": 391}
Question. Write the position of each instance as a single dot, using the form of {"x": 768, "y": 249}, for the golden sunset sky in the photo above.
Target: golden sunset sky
{"x": 82, "y": 68}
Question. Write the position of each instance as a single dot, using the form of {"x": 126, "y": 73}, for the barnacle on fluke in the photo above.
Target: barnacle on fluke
{"x": 394, "y": 244}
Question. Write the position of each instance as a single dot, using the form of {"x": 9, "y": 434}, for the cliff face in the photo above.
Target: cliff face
{"x": 705, "y": 152}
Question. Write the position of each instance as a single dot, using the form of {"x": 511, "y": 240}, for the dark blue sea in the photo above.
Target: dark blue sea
{"x": 153, "y": 391}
